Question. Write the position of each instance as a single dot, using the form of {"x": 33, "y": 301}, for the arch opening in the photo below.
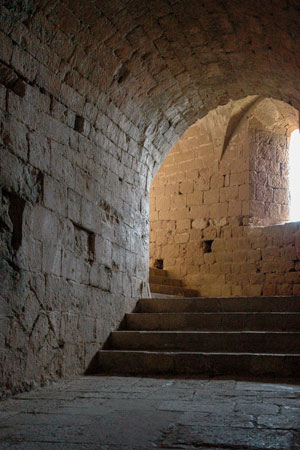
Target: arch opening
{"x": 219, "y": 206}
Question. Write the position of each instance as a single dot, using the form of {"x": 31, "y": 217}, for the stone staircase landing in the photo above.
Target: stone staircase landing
{"x": 162, "y": 284}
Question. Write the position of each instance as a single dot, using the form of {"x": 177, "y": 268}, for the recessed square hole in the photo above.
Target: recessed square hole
{"x": 207, "y": 246}
{"x": 79, "y": 124}
{"x": 159, "y": 264}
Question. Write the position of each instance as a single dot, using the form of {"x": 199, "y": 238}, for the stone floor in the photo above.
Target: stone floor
{"x": 91, "y": 413}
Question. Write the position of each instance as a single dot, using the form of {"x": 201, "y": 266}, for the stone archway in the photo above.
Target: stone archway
{"x": 221, "y": 187}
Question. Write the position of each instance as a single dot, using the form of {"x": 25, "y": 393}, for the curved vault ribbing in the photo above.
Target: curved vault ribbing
{"x": 166, "y": 64}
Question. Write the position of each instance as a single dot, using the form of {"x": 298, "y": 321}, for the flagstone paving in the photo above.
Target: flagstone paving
{"x": 91, "y": 413}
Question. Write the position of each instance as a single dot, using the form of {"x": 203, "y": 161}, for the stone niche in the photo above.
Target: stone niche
{"x": 220, "y": 203}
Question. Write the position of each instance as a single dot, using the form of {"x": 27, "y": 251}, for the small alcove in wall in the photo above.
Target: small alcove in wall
{"x": 219, "y": 205}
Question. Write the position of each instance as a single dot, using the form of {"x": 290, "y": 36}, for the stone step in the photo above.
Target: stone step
{"x": 157, "y": 272}
{"x": 116, "y": 362}
{"x": 257, "y": 321}
{"x": 173, "y": 290}
{"x": 257, "y": 336}
{"x": 164, "y": 280}
{"x": 206, "y": 341}
{"x": 237, "y": 304}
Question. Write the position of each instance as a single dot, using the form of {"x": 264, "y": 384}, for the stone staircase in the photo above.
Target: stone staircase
{"x": 160, "y": 283}
{"x": 201, "y": 336}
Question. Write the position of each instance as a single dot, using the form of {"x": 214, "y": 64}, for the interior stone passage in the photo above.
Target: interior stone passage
{"x": 93, "y": 95}
{"x": 218, "y": 198}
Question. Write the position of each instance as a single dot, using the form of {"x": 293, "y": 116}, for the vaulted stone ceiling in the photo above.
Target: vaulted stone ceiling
{"x": 165, "y": 64}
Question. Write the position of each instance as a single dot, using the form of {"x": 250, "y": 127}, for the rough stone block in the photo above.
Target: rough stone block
{"x": 229, "y": 193}
{"x": 52, "y": 258}
{"x": 6, "y": 49}
{"x": 235, "y": 208}
{"x": 55, "y": 195}
{"x": 39, "y": 152}
{"x": 8, "y": 76}
{"x": 73, "y": 205}
{"x": 100, "y": 276}
{"x": 39, "y": 99}
{"x": 163, "y": 203}
{"x": 254, "y": 290}
{"x": 281, "y": 196}
{"x": 211, "y": 196}
{"x": 14, "y": 135}
{"x": 199, "y": 224}
{"x": 54, "y": 129}
{"x": 22, "y": 110}
{"x": 196, "y": 198}
{"x": 24, "y": 63}
{"x": 244, "y": 192}
{"x": 181, "y": 238}
{"x": 3, "y": 91}
{"x": 45, "y": 225}
{"x": 186, "y": 187}
{"x": 183, "y": 224}
{"x": 30, "y": 255}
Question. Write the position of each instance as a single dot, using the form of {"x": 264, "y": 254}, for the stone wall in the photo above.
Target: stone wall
{"x": 72, "y": 216}
{"x": 193, "y": 188}
{"x": 269, "y": 177}
{"x": 204, "y": 204}
{"x": 248, "y": 261}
